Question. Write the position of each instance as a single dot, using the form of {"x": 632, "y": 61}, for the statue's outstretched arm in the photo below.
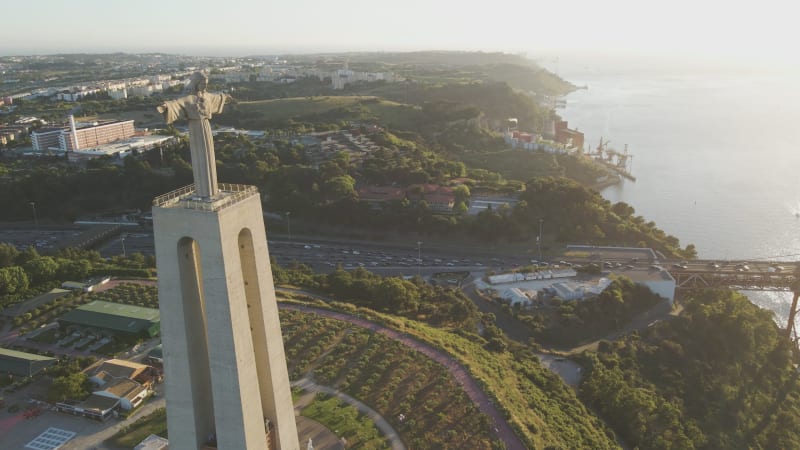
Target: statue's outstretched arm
{"x": 171, "y": 110}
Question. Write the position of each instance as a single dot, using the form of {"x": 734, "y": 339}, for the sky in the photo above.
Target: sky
{"x": 700, "y": 29}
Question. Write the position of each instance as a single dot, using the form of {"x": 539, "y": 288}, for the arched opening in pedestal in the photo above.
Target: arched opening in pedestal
{"x": 258, "y": 333}
{"x": 196, "y": 329}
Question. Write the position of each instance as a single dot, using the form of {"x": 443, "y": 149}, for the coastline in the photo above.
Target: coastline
{"x": 610, "y": 181}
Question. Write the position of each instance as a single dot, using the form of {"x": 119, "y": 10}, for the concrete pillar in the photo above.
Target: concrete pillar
{"x": 225, "y": 368}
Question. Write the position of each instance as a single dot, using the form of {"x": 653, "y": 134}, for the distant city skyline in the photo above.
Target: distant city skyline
{"x": 761, "y": 32}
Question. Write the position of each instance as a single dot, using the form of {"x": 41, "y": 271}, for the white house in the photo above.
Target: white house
{"x": 129, "y": 393}
{"x": 518, "y": 296}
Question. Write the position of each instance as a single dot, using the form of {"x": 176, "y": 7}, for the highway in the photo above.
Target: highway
{"x": 407, "y": 258}
{"x": 324, "y": 255}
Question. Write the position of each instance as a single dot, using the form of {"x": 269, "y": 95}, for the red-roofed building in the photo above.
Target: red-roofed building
{"x": 440, "y": 199}
{"x": 377, "y": 196}
{"x": 568, "y": 136}
{"x": 525, "y": 137}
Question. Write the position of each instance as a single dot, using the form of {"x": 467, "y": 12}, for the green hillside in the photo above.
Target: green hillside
{"x": 720, "y": 376}
{"x": 325, "y": 109}
{"x": 543, "y": 410}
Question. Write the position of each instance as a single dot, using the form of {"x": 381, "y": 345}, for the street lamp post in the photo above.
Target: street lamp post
{"x": 289, "y": 224}
{"x": 35, "y": 219}
{"x": 539, "y": 239}
{"x": 419, "y": 258}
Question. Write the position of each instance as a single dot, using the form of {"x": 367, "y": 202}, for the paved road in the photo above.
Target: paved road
{"x": 384, "y": 426}
{"x": 503, "y": 430}
{"x": 96, "y": 440}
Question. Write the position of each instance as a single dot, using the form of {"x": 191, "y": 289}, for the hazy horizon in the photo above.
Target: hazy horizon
{"x": 707, "y": 32}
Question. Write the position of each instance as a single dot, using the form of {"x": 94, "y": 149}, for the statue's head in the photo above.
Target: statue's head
{"x": 197, "y": 82}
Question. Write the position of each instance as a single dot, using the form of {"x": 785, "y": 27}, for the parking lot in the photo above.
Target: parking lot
{"x": 41, "y": 239}
{"x": 48, "y": 240}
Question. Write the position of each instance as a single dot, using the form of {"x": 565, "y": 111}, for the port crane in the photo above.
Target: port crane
{"x": 612, "y": 157}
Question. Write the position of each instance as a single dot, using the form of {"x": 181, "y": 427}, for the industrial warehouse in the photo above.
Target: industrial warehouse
{"x": 115, "y": 319}
{"x": 23, "y": 364}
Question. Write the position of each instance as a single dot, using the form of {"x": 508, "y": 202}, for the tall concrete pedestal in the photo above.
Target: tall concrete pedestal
{"x": 225, "y": 368}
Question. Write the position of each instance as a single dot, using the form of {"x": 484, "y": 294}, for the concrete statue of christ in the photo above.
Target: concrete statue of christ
{"x": 197, "y": 108}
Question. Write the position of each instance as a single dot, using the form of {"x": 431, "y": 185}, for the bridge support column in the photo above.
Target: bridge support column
{"x": 790, "y": 328}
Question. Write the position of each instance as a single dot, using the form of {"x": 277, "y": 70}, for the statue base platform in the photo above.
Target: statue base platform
{"x": 186, "y": 197}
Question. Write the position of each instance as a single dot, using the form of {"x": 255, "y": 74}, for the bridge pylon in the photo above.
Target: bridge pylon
{"x": 791, "y": 331}
{"x": 790, "y": 328}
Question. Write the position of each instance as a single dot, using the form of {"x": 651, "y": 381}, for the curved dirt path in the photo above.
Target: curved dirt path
{"x": 388, "y": 431}
{"x": 501, "y": 427}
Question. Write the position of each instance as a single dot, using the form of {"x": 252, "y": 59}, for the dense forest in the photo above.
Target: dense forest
{"x": 568, "y": 323}
{"x": 720, "y": 375}
{"x": 26, "y": 273}
{"x": 327, "y": 194}
{"x": 413, "y": 298}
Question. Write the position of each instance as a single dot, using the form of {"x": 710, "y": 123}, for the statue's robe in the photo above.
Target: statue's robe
{"x": 198, "y": 109}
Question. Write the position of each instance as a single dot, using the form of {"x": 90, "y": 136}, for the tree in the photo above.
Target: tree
{"x": 26, "y": 255}
{"x": 75, "y": 270}
{"x": 340, "y": 188}
{"x": 398, "y": 295}
{"x": 41, "y": 269}
{"x": 72, "y": 387}
{"x": 623, "y": 209}
{"x": 12, "y": 280}
{"x": 460, "y": 209}
{"x": 8, "y": 253}
{"x": 462, "y": 193}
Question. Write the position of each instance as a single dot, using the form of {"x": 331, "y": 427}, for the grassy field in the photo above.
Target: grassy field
{"x": 330, "y": 109}
{"x": 141, "y": 118}
{"x": 285, "y": 108}
{"x": 523, "y": 165}
{"x": 360, "y": 432}
{"x": 132, "y": 435}
{"x": 515, "y": 164}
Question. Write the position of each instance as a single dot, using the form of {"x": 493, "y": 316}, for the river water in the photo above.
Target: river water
{"x": 716, "y": 154}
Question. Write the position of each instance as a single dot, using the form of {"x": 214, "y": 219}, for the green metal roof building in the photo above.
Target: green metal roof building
{"x": 21, "y": 363}
{"x": 117, "y": 318}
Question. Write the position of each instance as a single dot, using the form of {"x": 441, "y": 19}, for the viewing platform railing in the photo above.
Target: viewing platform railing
{"x": 183, "y": 197}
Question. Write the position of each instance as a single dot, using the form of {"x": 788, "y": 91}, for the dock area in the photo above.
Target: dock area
{"x": 617, "y": 169}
